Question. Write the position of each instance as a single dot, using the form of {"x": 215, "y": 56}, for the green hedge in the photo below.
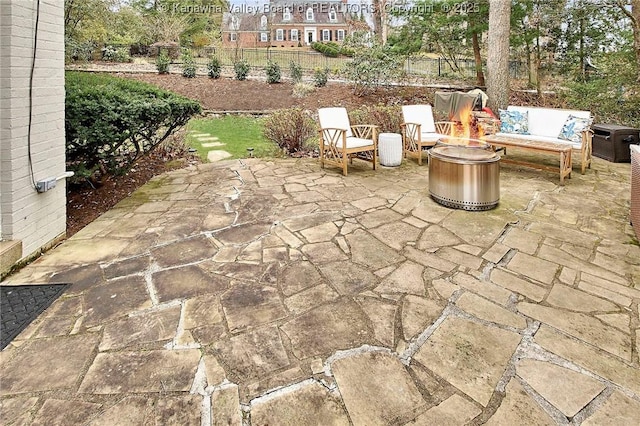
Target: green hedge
{"x": 110, "y": 122}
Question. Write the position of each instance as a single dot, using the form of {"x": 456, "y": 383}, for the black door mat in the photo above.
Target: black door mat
{"x": 21, "y": 304}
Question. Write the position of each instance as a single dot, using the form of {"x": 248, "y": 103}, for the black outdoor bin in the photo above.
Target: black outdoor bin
{"x": 611, "y": 142}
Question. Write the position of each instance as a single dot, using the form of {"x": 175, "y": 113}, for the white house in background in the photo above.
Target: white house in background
{"x": 32, "y": 142}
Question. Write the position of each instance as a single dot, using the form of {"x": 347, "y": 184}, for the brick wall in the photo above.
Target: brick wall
{"x": 36, "y": 219}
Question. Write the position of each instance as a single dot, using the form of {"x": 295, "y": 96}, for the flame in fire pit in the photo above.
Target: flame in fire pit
{"x": 467, "y": 127}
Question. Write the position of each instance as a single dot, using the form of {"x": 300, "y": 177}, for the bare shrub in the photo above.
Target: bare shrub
{"x": 291, "y": 129}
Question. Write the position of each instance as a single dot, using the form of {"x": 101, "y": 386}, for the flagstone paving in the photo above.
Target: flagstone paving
{"x": 261, "y": 292}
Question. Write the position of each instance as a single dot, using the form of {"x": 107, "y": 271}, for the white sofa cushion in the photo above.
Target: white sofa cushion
{"x": 548, "y": 122}
{"x": 541, "y": 139}
{"x": 353, "y": 142}
{"x": 431, "y": 137}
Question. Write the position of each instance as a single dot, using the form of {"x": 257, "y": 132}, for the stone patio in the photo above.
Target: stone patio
{"x": 278, "y": 293}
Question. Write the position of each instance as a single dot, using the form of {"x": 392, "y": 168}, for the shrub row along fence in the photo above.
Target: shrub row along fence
{"x": 414, "y": 65}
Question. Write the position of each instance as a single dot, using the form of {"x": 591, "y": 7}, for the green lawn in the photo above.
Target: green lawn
{"x": 236, "y": 132}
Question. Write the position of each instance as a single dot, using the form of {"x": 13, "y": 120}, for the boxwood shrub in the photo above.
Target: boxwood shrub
{"x": 111, "y": 122}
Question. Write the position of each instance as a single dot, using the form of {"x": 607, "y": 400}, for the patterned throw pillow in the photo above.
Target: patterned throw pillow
{"x": 514, "y": 122}
{"x": 573, "y": 127}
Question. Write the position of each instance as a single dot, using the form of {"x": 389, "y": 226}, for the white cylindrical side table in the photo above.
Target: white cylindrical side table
{"x": 390, "y": 149}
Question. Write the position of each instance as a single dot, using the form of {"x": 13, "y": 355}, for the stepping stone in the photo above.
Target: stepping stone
{"x": 206, "y": 138}
{"x": 211, "y": 144}
{"x": 199, "y": 135}
{"x": 217, "y": 155}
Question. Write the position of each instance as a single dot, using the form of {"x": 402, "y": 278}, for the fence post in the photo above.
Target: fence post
{"x": 439, "y": 68}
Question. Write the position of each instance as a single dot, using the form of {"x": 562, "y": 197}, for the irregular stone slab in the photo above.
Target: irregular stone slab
{"x": 617, "y": 410}
{"x": 555, "y": 255}
{"x": 225, "y": 407}
{"x": 55, "y": 326}
{"x": 217, "y": 218}
{"x": 347, "y": 277}
{"x": 455, "y": 410}
{"x": 184, "y": 251}
{"x": 576, "y": 300}
{"x": 202, "y": 311}
{"x": 239, "y": 270}
{"x": 243, "y": 234}
{"x": 323, "y": 252}
{"x": 518, "y": 285}
{"x": 320, "y": 233}
{"x": 367, "y": 250}
{"x": 619, "y": 321}
{"x": 396, "y": 234}
{"x": 430, "y": 260}
{"x": 135, "y": 265}
{"x": 459, "y": 257}
{"x": 114, "y": 299}
{"x": 622, "y": 289}
{"x": 252, "y": 253}
{"x": 470, "y": 356}
{"x": 275, "y": 254}
{"x": 246, "y": 305}
{"x": 289, "y": 239}
{"x": 187, "y": 281}
{"x": 518, "y": 408}
{"x": 218, "y": 155}
{"x": 80, "y": 278}
{"x": 310, "y": 298}
{"x": 496, "y": 253}
{"x": 391, "y": 395}
{"x": 61, "y": 412}
{"x": 565, "y": 389}
{"x": 27, "y": 371}
{"x": 418, "y": 313}
{"x": 469, "y": 249}
{"x": 253, "y": 354}
{"x": 78, "y": 252}
{"x": 132, "y": 410}
{"x": 304, "y": 404}
{"x": 486, "y": 227}
{"x": 212, "y": 144}
{"x": 378, "y": 217}
{"x": 406, "y": 279}
{"x": 430, "y": 211}
{"x": 490, "y": 291}
{"x": 435, "y": 237}
{"x": 533, "y": 267}
{"x": 298, "y": 276}
{"x": 146, "y": 371}
{"x": 564, "y": 233}
{"x": 405, "y": 204}
{"x": 596, "y": 361}
{"x": 177, "y": 410}
{"x": 308, "y": 197}
{"x": 525, "y": 241}
{"x": 326, "y": 329}
{"x": 382, "y": 316}
{"x": 582, "y": 327}
{"x": 214, "y": 371}
{"x": 13, "y": 408}
{"x": 369, "y": 203}
{"x": 309, "y": 220}
{"x": 152, "y": 326}
{"x": 482, "y": 308}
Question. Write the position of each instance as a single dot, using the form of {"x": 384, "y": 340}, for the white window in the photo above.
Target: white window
{"x": 309, "y": 14}
{"x": 340, "y": 35}
{"x": 294, "y": 35}
{"x": 326, "y": 35}
{"x": 263, "y": 22}
{"x": 233, "y": 36}
{"x": 234, "y": 22}
{"x": 279, "y": 34}
{"x": 286, "y": 14}
{"x": 333, "y": 16}
{"x": 264, "y": 37}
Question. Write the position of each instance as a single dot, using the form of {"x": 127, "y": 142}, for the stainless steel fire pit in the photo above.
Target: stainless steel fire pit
{"x": 464, "y": 177}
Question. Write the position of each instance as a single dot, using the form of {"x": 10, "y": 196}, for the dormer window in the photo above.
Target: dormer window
{"x": 286, "y": 14}
{"x": 263, "y": 22}
{"x": 333, "y": 16}
{"x": 309, "y": 15}
{"x": 234, "y": 23}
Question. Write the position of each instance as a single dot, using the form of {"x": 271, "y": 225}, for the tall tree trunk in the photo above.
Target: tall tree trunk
{"x": 498, "y": 54}
{"x": 378, "y": 6}
{"x": 635, "y": 12}
{"x": 478, "y": 58}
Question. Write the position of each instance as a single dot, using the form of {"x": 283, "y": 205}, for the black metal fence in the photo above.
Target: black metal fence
{"x": 309, "y": 60}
